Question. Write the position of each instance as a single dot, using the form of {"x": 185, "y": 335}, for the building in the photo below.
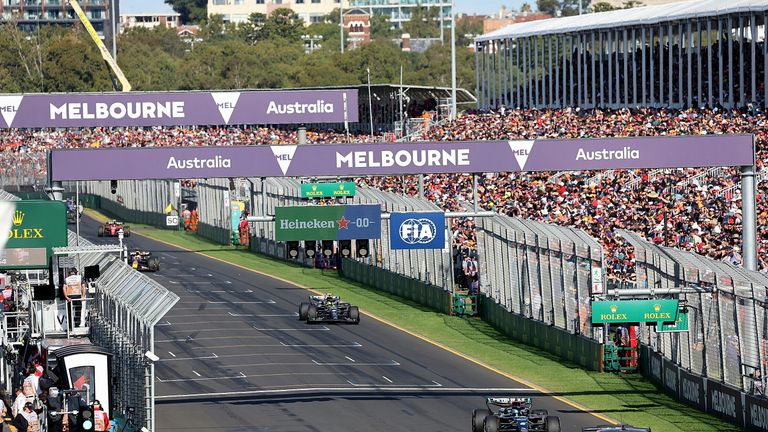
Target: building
{"x": 237, "y": 11}
{"x": 492, "y": 24}
{"x": 31, "y": 14}
{"x": 150, "y": 20}
{"x": 399, "y": 11}
{"x": 357, "y": 24}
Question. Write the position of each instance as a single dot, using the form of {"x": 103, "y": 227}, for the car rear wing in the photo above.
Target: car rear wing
{"x": 506, "y": 402}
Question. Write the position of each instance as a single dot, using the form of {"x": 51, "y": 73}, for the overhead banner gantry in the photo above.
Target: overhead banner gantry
{"x": 401, "y": 158}
{"x": 177, "y": 108}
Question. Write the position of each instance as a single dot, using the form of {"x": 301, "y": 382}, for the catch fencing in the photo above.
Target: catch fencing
{"x": 213, "y": 206}
{"x": 429, "y": 266}
{"x": 138, "y": 201}
{"x": 540, "y": 271}
{"x": 727, "y": 336}
{"x": 127, "y": 306}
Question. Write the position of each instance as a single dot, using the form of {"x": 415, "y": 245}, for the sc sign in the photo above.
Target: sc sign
{"x": 417, "y": 230}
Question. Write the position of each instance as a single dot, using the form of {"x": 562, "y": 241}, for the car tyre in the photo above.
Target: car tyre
{"x": 101, "y": 231}
{"x": 154, "y": 264}
{"x": 491, "y": 424}
{"x": 354, "y": 314}
{"x": 478, "y": 419}
{"x": 311, "y": 313}
{"x": 303, "y": 309}
{"x": 553, "y": 423}
{"x": 127, "y": 231}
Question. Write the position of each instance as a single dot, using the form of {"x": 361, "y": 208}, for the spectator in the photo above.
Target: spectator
{"x": 100, "y": 418}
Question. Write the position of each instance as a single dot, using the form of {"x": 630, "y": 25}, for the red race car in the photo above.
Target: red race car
{"x": 111, "y": 228}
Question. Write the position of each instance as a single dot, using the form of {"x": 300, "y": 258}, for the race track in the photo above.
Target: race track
{"x": 234, "y": 357}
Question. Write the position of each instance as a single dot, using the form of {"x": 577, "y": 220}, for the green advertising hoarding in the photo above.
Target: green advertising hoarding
{"x": 627, "y": 311}
{"x": 338, "y": 222}
{"x": 681, "y": 325}
{"x": 37, "y": 226}
{"x": 323, "y": 190}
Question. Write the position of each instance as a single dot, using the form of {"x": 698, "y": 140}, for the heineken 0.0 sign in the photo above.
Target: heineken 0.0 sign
{"x": 629, "y": 311}
{"x": 37, "y": 227}
{"x": 344, "y": 222}
{"x": 323, "y": 190}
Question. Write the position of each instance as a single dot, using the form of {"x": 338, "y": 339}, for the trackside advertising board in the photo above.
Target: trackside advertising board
{"x": 401, "y": 158}
{"x": 37, "y": 227}
{"x": 417, "y": 230}
{"x": 628, "y": 311}
{"x": 325, "y": 190}
{"x": 138, "y": 109}
{"x": 344, "y": 222}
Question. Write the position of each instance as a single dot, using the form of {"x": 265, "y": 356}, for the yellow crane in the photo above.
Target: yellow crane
{"x": 118, "y": 73}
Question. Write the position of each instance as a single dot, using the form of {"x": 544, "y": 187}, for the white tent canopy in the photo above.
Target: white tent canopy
{"x": 623, "y": 18}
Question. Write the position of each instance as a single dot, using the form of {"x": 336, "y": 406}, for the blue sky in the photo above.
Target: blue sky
{"x": 462, "y": 6}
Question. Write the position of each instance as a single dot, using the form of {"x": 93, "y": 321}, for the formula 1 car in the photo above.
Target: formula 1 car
{"x": 144, "y": 261}
{"x": 328, "y": 308}
{"x": 622, "y": 428}
{"x": 111, "y": 229}
{"x": 513, "y": 414}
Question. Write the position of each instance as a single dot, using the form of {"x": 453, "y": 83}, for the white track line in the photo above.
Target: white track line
{"x": 388, "y": 380}
{"x": 171, "y": 353}
{"x": 391, "y": 363}
{"x": 323, "y": 328}
{"x": 349, "y": 358}
{"x": 295, "y": 314}
{"x": 326, "y": 389}
{"x": 195, "y": 372}
{"x": 242, "y": 375}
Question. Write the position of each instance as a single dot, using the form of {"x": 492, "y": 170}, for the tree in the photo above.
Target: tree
{"x": 467, "y": 27}
{"x": 192, "y": 11}
{"x": 562, "y": 7}
{"x": 423, "y": 23}
{"x": 382, "y": 28}
{"x": 250, "y": 31}
{"x": 282, "y": 23}
{"x": 602, "y": 7}
{"x": 526, "y": 8}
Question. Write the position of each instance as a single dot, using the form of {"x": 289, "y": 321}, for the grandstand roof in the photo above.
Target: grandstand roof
{"x": 646, "y": 15}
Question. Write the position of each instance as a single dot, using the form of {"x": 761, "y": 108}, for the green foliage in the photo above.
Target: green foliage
{"x": 192, "y": 11}
{"x": 602, "y": 7}
{"x": 382, "y": 28}
{"x": 467, "y": 28}
{"x": 265, "y": 52}
{"x": 562, "y": 7}
{"x": 424, "y": 23}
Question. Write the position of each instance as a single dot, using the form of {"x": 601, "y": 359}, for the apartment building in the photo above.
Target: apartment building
{"x": 400, "y": 11}
{"x": 238, "y": 11}
{"x": 31, "y": 14}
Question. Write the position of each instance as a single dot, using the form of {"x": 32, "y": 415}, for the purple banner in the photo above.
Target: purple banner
{"x": 178, "y": 108}
{"x": 402, "y": 158}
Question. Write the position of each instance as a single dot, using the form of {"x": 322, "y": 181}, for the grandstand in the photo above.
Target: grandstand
{"x": 690, "y": 54}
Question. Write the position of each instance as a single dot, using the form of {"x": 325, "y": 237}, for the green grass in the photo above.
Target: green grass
{"x": 630, "y": 399}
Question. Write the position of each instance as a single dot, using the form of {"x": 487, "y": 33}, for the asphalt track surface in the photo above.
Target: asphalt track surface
{"x": 234, "y": 357}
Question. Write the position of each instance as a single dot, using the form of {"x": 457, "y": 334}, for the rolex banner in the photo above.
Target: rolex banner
{"x": 36, "y": 228}
{"x": 635, "y": 311}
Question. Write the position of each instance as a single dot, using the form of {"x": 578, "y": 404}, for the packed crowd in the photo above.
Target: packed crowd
{"x": 695, "y": 210}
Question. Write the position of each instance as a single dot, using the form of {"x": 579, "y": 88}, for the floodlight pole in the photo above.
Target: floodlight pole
{"x": 748, "y": 222}
{"x": 453, "y": 60}
{"x": 370, "y": 102}
{"x": 341, "y": 26}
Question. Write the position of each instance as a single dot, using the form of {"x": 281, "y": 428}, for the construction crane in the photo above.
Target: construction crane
{"x": 117, "y": 73}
